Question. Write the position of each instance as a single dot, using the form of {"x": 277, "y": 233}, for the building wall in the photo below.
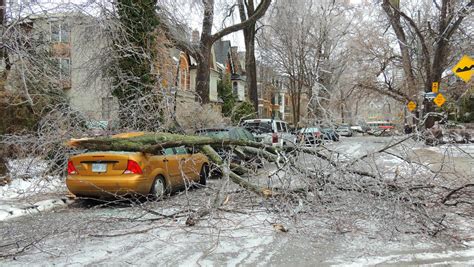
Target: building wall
{"x": 192, "y": 79}
{"x": 238, "y": 88}
{"x": 90, "y": 92}
{"x": 282, "y": 105}
{"x": 214, "y": 79}
{"x": 73, "y": 63}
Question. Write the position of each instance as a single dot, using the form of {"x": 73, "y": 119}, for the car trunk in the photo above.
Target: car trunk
{"x": 101, "y": 163}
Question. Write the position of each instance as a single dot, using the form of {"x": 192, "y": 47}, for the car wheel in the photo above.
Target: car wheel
{"x": 158, "y": 188}
{"x": 204, "y": 174}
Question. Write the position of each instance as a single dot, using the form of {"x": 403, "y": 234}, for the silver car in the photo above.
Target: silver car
{"x": 344, "y": 130}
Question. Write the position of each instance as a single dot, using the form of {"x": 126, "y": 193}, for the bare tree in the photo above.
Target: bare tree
{"x": 307, "y": 51}
{"x": 434, "y": 37}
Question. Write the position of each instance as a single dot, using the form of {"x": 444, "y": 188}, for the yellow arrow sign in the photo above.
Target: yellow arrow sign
{"x": 411, "y": 105}
{"x": 435, "y": 87}
{"x": 465, "y": 68}
{"x": 439, "y": 100}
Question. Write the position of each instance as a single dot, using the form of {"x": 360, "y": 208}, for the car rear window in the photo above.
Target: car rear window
{"x": 258, "y": 127}
{"x": 217, "y": 133}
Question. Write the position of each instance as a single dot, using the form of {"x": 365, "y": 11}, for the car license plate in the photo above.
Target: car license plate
{"x": 99, "y": 167}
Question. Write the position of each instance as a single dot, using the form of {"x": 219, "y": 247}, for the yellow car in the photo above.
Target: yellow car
{"x": 112, "y": 174}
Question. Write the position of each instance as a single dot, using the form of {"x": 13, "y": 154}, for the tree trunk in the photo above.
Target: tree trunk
{"x": 251, "y": 69}
{"x": 293, "y": 108}
{"x": 394, "y": 19}
{"x": 250, "y": 64}
{"x": 204, "y": 74}
{"x": 342, "y": 112}
{"x": 3, "y": 166}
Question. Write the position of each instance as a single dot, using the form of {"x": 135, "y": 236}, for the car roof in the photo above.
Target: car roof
{"x": 263, "y": 120}
{"x": 214, "y": 129}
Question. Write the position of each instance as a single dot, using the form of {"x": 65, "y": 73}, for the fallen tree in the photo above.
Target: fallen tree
{"x": 425, "y": 195}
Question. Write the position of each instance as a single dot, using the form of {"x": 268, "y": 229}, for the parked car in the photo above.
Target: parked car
{"x": 309, "y": 136}
{"x": 329, "y": 134}
{"x": 269, "y": 131}
{"x": 344, "y": 130}
{"x": 235, "y": 133}
{"x": 112, "y": 174}
{"x": 357, "y": 128}
{"x": 381, "y": 127}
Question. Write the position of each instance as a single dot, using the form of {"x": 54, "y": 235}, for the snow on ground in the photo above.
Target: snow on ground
{"x": 230, "y": 239}
{"x": 22, "y": 188}
{"x": 29, "y": 182}
{"x": 454, "y": 150}
{"x": 10, "y": 210}
{"x": 442, "y": 257}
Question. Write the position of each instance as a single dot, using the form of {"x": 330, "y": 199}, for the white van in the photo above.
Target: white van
{"x": 271, "y": 132}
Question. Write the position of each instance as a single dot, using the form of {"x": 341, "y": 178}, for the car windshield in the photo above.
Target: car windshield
{"x": 258, "y": 127}
{"x": 309, "y": 130}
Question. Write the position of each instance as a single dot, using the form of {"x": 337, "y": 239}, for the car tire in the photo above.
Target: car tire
{"x": 158, "y": 188}
{"x": 204, "y": 174}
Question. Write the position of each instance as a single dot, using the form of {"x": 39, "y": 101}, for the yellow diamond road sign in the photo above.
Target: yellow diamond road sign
{"x": 465, "y": 68}
{"x": 411, "y": 105}
{"x": 439, "y": 100}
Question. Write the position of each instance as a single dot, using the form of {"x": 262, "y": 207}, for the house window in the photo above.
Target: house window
{"x": 60, "y": 32}
{"x": 183, "y": 79}
{"x": 64, "y": 66}
{"x": 107, "y": 105}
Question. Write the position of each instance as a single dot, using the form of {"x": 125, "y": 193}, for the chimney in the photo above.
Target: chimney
{"x": 195, "y": 37}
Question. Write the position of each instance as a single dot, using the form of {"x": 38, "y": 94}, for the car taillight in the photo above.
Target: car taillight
{"x": 133, "y": 167}
{"x": 274, "y": 138}
{"x": 70, "y": 168}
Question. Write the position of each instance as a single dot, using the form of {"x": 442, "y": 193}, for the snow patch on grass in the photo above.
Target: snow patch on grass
{"x": 10, "y": 211}
{"x": 28, "y": 178}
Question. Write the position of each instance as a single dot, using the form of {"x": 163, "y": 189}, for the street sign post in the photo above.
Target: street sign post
{"x": 435, "y": 87}
{"x": 430, "y": 95}
{"x": 411, "y": 106}
{"x": 465, "y": 68}
{"x": 439, "y": 100}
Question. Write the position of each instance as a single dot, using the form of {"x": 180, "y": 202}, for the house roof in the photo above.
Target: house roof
{"x": 221, "y": 49}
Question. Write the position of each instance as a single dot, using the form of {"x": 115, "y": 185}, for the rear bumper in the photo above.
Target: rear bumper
{"x": 107, "y": 186}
